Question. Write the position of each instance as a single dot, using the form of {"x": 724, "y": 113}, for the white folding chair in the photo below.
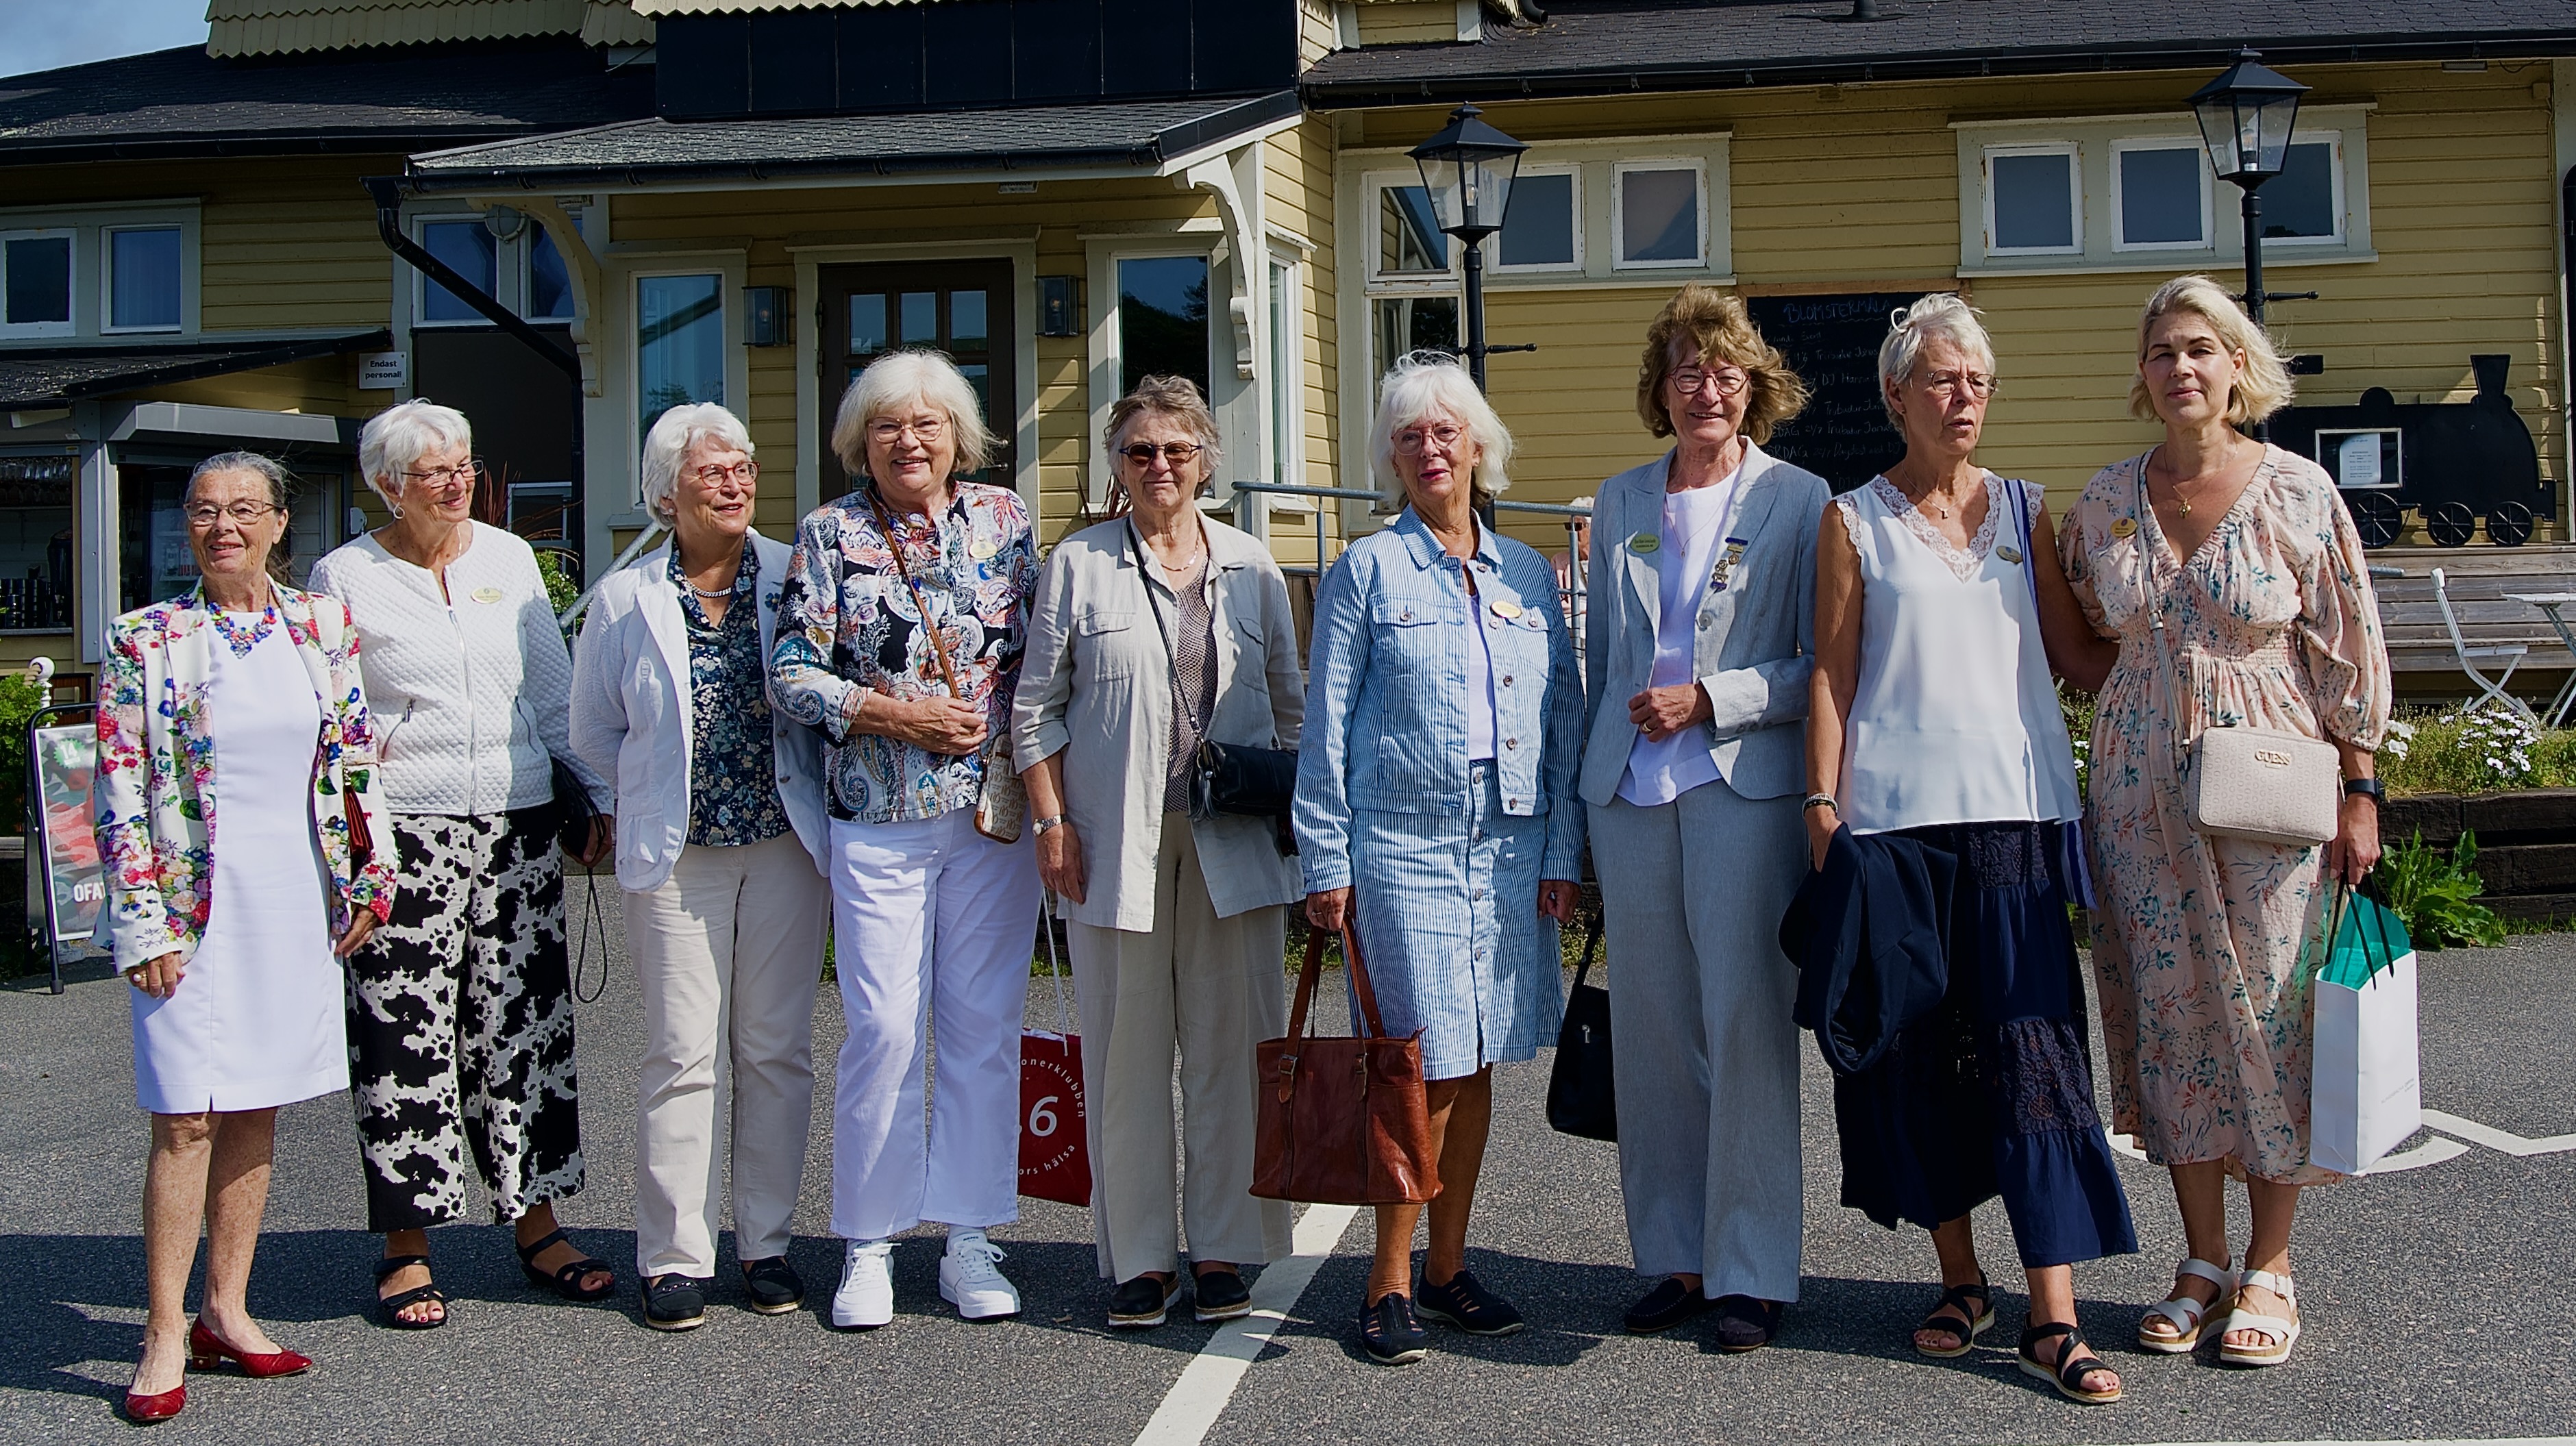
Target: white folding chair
{"x": 2490, "y": 692}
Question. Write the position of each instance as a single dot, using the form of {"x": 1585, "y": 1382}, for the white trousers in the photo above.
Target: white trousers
{"x": 932, "y": 921}
{"x": 729, "y": 950}
{"x": 1214, "y": 988}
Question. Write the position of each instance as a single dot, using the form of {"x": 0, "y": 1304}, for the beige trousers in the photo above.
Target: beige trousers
{"x": 729, "y": 950}
{"x": 1214, "y": 988}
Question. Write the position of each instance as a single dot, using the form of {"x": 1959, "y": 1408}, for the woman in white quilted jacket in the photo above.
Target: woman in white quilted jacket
{"x": 460, "y": 1007}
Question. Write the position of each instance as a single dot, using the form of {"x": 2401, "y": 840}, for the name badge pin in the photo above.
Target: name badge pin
{"x": 2125, "y": 527}
{"x": 2011, "y": 555}
{"x": 1643, "y": 543}
{"x": 982, "y": 548}
{"x": 487, "y": 594}
{"x": 1504, "y": 609}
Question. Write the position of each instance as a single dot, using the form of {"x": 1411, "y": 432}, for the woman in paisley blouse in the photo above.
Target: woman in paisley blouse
{"x": 2230, "y": 565}
{"x": 930, "y": 915}
{"x": 719, "y": 837}
{"x": 240, "y": 697}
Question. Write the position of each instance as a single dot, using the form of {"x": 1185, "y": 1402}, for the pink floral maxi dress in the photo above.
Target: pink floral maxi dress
{"x": 2271, "y": 624}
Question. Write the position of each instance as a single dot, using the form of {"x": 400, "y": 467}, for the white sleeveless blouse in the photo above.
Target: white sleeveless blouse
{"x": 1956, "y": 718}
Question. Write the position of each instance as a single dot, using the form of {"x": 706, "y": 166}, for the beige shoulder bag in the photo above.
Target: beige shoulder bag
{"x": 2263, "y": 784}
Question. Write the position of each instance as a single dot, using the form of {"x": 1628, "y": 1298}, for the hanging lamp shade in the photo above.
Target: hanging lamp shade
{"x": 1469, "y": 167}
{"x": 2246, "y": 116}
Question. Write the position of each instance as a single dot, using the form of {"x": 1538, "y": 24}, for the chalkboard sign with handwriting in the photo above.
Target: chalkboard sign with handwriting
{"x": 1832, "y": 343}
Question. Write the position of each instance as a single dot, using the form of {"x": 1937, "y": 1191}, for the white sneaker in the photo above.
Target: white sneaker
{"x": 969, "y": 1281}
{"x": 866, "y": 1297}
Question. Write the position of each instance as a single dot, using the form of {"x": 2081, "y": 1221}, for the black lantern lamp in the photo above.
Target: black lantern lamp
{"x": 2246, "y": 116}
{"x": 1468, "y": 169}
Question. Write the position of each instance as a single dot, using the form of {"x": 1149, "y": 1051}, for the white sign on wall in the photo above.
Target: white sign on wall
{"x": 384, "y": 371}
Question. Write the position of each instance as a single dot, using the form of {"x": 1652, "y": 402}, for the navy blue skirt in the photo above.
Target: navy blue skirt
{"x": 1993, "y": 1093}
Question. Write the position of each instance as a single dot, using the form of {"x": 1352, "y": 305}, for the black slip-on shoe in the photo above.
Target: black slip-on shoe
{"x": 674, "y": 1302}
{"x": 1220, "y": 1295}
{"x": 1665, "y": 1307}
{"x": 1745, "y": 1324}
{"x": 1390, "y": 1332}
{"x": 772, "y": 1286}
{"x": 1142, "y": 1303}
{"x": 1468, "y": 1306}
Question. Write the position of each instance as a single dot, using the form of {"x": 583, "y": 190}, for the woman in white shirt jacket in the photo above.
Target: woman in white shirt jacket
{"x": 719, "y": 829}
{"x": 460, "y": 1007}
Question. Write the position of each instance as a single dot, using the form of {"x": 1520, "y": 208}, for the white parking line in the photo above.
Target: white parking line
{"x": 1190, "y": 1410}
{"x": 2495, "y": 1139}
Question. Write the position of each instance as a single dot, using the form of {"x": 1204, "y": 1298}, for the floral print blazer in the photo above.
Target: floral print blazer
{"x": 156, "y": 827}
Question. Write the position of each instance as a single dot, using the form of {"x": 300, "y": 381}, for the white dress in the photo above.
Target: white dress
{"x": 257, "y": 1018}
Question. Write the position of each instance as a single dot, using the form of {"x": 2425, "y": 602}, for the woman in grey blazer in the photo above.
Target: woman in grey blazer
{"x": 1699, "y": 649}
{"x": 1151, "y": 632}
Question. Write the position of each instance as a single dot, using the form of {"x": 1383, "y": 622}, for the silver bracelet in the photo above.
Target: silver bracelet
{"x": 1820, "y": 800}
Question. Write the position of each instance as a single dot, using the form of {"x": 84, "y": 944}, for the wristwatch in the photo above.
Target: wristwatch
{"x": 2365, "y": 788}
{"x": 1053, "y": 820}
{"x": 1819, "y": 800}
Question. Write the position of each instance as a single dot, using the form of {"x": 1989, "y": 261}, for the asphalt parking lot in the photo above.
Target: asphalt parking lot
{"x": 2436, "y": 1296}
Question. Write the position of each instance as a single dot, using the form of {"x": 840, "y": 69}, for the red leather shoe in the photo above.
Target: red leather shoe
{"x": 207, "y": 1350}
{"x": 144, "y": 1410}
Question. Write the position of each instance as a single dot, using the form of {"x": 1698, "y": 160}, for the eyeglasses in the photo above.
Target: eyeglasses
{"x": 717, "y": 474}
{"x": 1413, "y": 440}
{"x": 1727, "y": 380}
{"x": 203, "y": 515}
{"x": 1979, "y": 385}
{"x": 886, "y": 431}
{"x": 469, "y": 470}
{"x": 1143, "y": 453}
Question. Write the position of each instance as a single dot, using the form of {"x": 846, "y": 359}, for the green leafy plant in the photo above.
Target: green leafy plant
{"x": 2437, "y": 895}
{"x": 2474, "y": 753}
{"x": 560, "y": 591}
{"x": 20, "y": 697}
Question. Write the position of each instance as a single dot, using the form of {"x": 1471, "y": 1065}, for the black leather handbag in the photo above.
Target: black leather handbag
{"x": 575, "y": 816}
{"x": 1581, "y": 1096}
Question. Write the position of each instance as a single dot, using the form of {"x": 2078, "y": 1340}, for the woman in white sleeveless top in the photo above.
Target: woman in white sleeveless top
{"x": 1934, "y": 719}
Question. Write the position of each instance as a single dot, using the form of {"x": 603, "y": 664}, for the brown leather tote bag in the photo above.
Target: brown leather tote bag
{"x": 1342, "y": 1121}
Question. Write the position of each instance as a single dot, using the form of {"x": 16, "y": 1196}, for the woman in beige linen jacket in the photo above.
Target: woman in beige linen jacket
{"x": 1152, "y": 631}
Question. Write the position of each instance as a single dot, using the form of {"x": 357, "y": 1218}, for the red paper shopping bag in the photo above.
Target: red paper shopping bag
{"x": 1055, "y": 1139}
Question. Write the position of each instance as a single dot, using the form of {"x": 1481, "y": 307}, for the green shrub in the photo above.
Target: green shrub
{"x": 2437, "y": 896}
{"x": 2475, "y": 753}
{"x": 559, "y": 589}
{"x": 20, "y": 697}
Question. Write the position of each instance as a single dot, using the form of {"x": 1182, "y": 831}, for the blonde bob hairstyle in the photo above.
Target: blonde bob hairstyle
{"x": 1717, "y": 328}
{"x": 1424, "y": 382}
{"x": 401, "y": 434}
{"x": 1166, "y": 396}
{"x": 895, "y": 382}
{"x": 2264, "y": 387}
{"x": 1941, "y": 316}
{"x": 666, "y": 448}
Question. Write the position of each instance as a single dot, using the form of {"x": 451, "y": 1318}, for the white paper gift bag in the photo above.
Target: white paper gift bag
{"x": 2368, "y": 1094}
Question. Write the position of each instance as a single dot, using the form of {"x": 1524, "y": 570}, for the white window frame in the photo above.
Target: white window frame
{"x": 1287, "y": 366}
{"x": 2124, "y": 146}
{"x": 1702, "y": 202}
{"x": 726, "y": 268}
{"x": 2335, "y": 174}
{"x": 1574, "y": 220}
{"x": 70, "y": 324}
{"x": 1109, "y": 351}
{"x": 2073, "y": 151}
{"x": 1405, "y": 280}
{"x": 107, "y": 279}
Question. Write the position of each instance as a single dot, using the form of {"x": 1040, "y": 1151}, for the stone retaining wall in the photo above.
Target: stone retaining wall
{"x": 2526, "y": 843}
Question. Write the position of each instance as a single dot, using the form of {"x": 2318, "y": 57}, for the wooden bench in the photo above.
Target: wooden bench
{"x": 2478, "y": 578}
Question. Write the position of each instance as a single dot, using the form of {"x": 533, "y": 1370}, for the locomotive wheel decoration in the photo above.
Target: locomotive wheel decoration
{"x": 2450, "y": 462}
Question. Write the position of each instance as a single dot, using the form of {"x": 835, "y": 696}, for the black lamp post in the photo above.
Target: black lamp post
{"x": 2246, "y": 116}
{"x": 1468, "y": 169}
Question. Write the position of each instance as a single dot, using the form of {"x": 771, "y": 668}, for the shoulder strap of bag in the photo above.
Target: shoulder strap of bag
{"x": 1360, "y": 979}
{"x": 2155, "y": 605}
{"x": 1306, "y": 975}
{"x": 2029, "y": 562}
{"x": 1591, "y": 946}
{"x": 1055, "y": 966}
{"x": 894, "y": 545}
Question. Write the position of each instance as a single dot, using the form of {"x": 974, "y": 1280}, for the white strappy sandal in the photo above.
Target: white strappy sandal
{"x": 2184, "y": 1312}
{"x": 2283, "y": 1334}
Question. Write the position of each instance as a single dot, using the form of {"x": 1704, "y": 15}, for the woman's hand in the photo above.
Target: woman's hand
{"x": 158, "y": 977}
{"x": 1329, "y": 909}
{"x": 1060, "y": 861}
{"x": 361, "y": 924}
{"x": 1556, "y": 899}
{"x": 2354, "y": 851}
{"x": 947, "y": 726}
{"x": 603, "y": 839}
{"x": 1822, "y": 824}
{"x": 1659, "y": 713}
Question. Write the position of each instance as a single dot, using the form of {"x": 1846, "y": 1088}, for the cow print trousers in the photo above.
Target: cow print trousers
{"x": 461, "y": 1024}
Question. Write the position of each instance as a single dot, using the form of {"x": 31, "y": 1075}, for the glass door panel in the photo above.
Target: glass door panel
{"x": 961, "y": 309}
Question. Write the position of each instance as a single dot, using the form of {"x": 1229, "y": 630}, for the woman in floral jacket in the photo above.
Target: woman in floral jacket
{"x": 238, "y": 701}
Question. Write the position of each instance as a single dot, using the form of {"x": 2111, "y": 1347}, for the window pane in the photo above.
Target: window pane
{"x": 2300, "y": 200}
{"x": 1163, "y": 319}
{"x": 1287, "y": 385}
{"x": 980, "y": 377}
{"x": 39, "y": 279}
{"x": 2034, "y": 202}
{"x": 549, "y": 284}
{"x": 467, "y": 247}
{"x": 1659, "y": 215}
{"x": 1408, "y": 232}
{"x": 679, "y": 343}
{"x": 920, "y": 317}
{"x": 867, "y": 324}
{"x": 966, "y": 319}
{"x": 1539, "y": 228}
{"x": 1412, "y": 323}
{"x": 36, "y": 542}
{"x": 2160, "y": 197}
{"x": 143, "y": 277}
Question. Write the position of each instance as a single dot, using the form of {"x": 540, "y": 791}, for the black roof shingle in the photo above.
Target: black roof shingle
{"x": 56, "y": 376}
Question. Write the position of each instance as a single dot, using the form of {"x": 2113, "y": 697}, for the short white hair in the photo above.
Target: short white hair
{"x": 396, "y": 437}
{"x": 668, "y": 444}
{"x": 897, "y": 380}
{"x": 1943, "y": 316}
{"x": 1424, "y": 382}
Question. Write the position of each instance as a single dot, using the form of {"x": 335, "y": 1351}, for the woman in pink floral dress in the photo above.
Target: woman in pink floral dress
{"x": 2248, "y": 555}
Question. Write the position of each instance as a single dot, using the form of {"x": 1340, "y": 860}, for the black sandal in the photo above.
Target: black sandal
{"x": 565, "y": 1282}
{"x": 1969, "y": 1324}
{"x": 389, "y": 1308}
{"x": 2075, "y": 1361}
